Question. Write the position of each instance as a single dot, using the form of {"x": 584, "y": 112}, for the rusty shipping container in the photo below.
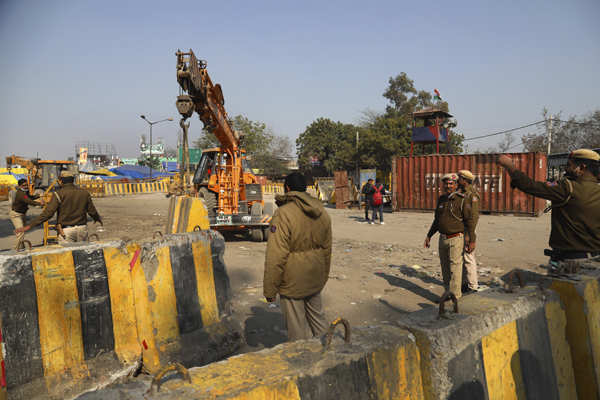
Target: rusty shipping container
{"x": 342, "y": 193}
{"x": 417, "y": 181}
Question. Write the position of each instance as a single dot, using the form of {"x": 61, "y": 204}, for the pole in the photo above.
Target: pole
{"x": 357, "y": 161}
{"x": 549, "y": 133}
{"x": 150, "y": 161}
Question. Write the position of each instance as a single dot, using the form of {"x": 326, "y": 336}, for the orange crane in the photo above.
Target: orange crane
{"x": 231, "y": 192}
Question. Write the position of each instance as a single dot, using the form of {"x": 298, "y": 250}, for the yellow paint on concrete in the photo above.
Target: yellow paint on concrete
{"x": 396, "y": 373}
{"x": 206, "y": 283}
{"x": 286, "y": 390}
{"x": 163, "y": 305}
{"x": 145, "y": 329}
{"x": 591, "y": 295}
{"x": 424, "y": 346}
{"x": 502, "y": 364}
{"x": 578, "y": 336}
{"x": 561, "y": 353}
{"x": 176, "y": 214}
{"x": 198, "y": 216}
{"x": 59, "y": 317}
{"x": 122, "y": 303}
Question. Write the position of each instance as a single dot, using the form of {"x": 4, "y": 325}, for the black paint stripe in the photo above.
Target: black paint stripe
{"x": 535, "y": 355}
{"x": 348, "y": 381}
{"x": 94, "y": 302}
{"x": 466, "y": 373}
{"x": 20, "y": 329}
{"x": 220, "y": 276}
{"x": 189, "y": 317}
{"x": 171, "y": 214}
{"x": 184, "y": 216}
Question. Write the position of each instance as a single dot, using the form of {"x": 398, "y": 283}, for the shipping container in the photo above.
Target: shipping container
{"x": 417, "y": 185}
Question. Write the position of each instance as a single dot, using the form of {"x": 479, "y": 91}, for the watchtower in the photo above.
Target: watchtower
{"x": 432, "y": 129}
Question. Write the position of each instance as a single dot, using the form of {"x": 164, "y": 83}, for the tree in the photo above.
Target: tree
{"x": 567, "y": 135}
{"x": 506, "y": 143}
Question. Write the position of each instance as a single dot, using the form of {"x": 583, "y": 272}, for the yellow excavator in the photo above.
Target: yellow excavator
{"x": 222, "y": 179}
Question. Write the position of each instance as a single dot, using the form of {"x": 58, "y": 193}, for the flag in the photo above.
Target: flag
{"x": 437, "y": 95}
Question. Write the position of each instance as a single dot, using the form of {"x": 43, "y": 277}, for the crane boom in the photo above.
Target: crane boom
{"x": 205, "y": 98}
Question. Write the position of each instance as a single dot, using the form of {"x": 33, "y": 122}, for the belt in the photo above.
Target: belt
{"x": 576, "y": 255}
{"x": 444, "y": 236}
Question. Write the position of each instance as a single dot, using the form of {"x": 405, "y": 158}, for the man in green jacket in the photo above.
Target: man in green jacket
{"x": 72, "y": 205}
{"x": 20, "y": 204}
{"x": 298, "y": 259}
{"x": 575, "y": 229}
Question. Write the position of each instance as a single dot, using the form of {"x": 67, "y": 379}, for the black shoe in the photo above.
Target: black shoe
{"x": 465, "y": 288}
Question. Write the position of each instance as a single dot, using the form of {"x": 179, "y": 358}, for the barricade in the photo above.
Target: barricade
{"x": 78, "y": 317}
{"x": 185, "y": 214}
{"x": 380, "y": 363}
{"x": 500, "y": 346}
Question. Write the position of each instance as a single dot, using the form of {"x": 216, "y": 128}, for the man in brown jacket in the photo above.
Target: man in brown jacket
{"x": 453, "y": 220}
{"x": 298, "y": 258}
{"x": 20, "y": 204}
{"x": 72, "y": 204}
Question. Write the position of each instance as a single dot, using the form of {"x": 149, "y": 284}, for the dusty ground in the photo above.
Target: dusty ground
{"x": 378, "y": 271}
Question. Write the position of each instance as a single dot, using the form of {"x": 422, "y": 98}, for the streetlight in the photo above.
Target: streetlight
{"x": 153, "y": 123}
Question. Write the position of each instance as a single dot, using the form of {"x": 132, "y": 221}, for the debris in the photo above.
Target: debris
{"x": 353, "y": 303}
{"x": 273, "y": 305}
{"x": 500, "y": 240}
{"x": 415, "y": 266}
{"x": 377, "y": 296}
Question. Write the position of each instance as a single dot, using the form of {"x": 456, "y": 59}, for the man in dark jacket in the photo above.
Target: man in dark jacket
{"x": 298, "y": 259}
{"x": 367, "y": 191}
{"x": 575, "y": 229}
{"x": 72, "y": 204}
{"x": 20, "y": 204}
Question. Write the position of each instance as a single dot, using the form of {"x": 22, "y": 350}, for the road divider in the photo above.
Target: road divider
{"x": 76, "y": 318}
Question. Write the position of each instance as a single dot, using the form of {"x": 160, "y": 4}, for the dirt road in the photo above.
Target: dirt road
{"x": 378, "y": 272}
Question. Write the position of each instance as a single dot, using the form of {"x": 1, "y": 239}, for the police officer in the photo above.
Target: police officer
{"x": 298, "y": 259}
{"x": 20, "y": 204}
{"x": 465, "y": 185}
{"x": 575, "y": 229}
{"x": 72, "y": 204}
{"x": 452, "y": 219}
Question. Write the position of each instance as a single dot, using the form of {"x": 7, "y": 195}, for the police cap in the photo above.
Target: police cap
{"x": 451, "y": 176}
{"x": 585, "y": 154}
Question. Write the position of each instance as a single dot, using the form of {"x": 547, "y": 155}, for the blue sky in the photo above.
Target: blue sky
{"x": 85, "y": 70}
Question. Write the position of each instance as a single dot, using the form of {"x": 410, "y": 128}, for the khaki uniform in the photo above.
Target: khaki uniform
{"x": 18, "y": 211}
{"x": 470, "y": 262}
{"x": 453, "y": 217}
{"x": 575, "y": 210}
{"x": 73, "y": 205}
{"x": 297, "y": 262}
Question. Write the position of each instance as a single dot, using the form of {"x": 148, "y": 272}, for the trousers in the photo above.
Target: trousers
{"x": 470, "y": 270}
{"x": 451, "y": 259}
{"x": 18, "y": 221}
{"x": 304, "y": 318}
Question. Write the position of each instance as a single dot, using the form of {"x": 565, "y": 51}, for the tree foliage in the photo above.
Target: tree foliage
{"x": 381, "y": 136}
{"x": 266, "y": 151}
{"x": 567, "y": 135}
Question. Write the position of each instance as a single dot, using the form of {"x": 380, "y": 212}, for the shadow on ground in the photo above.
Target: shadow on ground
{"x": 404, "y": 284}
{"x": 264, "y": 327}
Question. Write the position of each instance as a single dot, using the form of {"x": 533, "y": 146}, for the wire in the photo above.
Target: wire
{"x": 506, "y": 131}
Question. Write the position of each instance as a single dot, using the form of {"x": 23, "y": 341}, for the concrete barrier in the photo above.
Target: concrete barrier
{"x": 582, "y": 301}
{"x": 500, "y": 346}
{"x": 380, "y": 363}
{"x": 76, "y": 318}
{"x": 185, "y": 213}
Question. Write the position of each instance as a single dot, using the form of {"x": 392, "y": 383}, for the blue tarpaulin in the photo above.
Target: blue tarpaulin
{"x": 137, "y": 172}
{"x": 427, "y": 134}
{"x": 170, "y": 166}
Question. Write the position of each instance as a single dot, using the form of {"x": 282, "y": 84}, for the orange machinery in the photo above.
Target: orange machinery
{"x": 231, "y": 193}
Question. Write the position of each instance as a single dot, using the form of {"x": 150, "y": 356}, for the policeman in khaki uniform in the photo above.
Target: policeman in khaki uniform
{"x": 72, "y": 204}
{"x": 453, "y": 217}
{"x": 465, "y": 185}
{"x": 20, "y": 204}
{"x": 575, "y": 229}
{"x": 298, "y": 259}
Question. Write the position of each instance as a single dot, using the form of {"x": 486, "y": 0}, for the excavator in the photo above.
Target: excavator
{"x": 42, "y": 175}
{"x": 222, "y": 178}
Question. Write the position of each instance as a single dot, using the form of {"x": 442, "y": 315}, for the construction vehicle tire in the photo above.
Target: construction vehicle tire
{"x": 210, "y": 201}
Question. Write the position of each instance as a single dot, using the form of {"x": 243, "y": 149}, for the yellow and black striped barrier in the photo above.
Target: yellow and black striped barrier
{"x": 582, "y": 301}
{"x": 185, "y": 214}
{"x": 74, "y": 318}
{"x": 101, "y": 189}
